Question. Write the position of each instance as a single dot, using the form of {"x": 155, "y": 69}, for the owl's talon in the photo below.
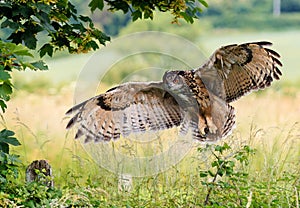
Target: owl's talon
{"x": 203, "y": 131}
{"x": 213, "y": 129}
{"x": 211, "y": 126}
{"x": 208, "y": 129}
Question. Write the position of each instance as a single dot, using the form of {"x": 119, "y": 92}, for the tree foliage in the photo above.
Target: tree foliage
{"x": 187, "y": 9}
{"x": 59, "y": 19}
{"x": 68, "y": 29}
{"x": 12, "y": 57}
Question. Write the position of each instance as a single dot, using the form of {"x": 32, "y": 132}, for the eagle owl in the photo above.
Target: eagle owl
{"x": 196, "y": 101}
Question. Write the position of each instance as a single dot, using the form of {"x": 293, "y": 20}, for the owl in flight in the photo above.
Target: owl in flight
{"x": 196, "y": 101}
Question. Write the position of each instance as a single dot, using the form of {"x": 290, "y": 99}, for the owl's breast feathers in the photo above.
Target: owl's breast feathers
{"x": 212, "y": 118}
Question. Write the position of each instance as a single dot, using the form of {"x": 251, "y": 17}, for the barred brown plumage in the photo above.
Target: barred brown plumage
{"x": 196, "y": 100}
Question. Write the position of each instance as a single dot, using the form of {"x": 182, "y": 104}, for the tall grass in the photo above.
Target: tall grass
{"x": 270, "y": 126}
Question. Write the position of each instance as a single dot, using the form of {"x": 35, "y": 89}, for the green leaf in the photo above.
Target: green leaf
{"x": 16, "y": 37}
{"x": 79, "y": 26}
{"x": 4, "y": 75}
{"x": 92, "y": 44}
{"x": 85, "y": 18}
{"x": 220, "y": 172}
{"x": 4, "y": 147}
{"x": 11, "y": 140}
{"x": 148, "y": 14}
{"x": 211, "y": 173}
{"x": 214, "y": 164}
{"x": 100, "y": 36}
{"x": 6, "y": 138}
{"x": 26, "y": 65}
{"x": 20, "y": 50}
{"x": 43, "y": 7}
{"x": 203, "y": 174}
{"x": 46, "y": 49}
{"x": 137, "y": 14}
{"x": 44, "y": 18}
{"x": 187, "y": 17}
{"x": 226, "y": 146}
{"x": 96, "y": 4}
{"x": 204, "y": 3}
{"x": 218, "y": 148}
{"x": 13, "y": 159}
{"x": 10, "y": 24}
{"x": 3, "y": 105}
{"x": 40, "y": 65}
{"x": 30, "y": 40}
{"x": 5, "y": 91}
{"x": 22, "y": 10}
{"x": 16, "y": 49}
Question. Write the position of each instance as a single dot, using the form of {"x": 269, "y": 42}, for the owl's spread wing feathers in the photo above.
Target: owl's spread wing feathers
{"x": 128, "y": 108}
{"x": 231, "y": 72}
{"x": 139, "y": 107}
{"x": 235, "y": 70}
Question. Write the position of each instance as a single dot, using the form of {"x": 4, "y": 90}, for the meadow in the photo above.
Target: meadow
{"x": 267, "y": 122}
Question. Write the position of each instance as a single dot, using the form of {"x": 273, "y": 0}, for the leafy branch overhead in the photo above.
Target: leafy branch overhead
{"x": 59, "y": 19}
{"x": 187, "y": 9}
{"x": 77, "y": 33}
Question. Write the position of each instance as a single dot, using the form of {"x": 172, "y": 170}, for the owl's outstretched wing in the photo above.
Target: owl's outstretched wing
{"x": 235, "y": 70}
{"x": 125, "y": 109}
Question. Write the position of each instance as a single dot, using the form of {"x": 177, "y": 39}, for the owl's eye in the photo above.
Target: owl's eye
{"x": 176, "y": 80}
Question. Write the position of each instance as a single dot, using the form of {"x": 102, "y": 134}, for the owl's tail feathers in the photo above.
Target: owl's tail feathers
{"x": 189, "y": 126}
{"x": 222, "y": 118}
{"x": 230, "y": 122}
{"x": 224, "y": 121}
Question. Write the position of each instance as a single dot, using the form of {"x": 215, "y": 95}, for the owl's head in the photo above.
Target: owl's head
{"x": 174, "y": 80}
